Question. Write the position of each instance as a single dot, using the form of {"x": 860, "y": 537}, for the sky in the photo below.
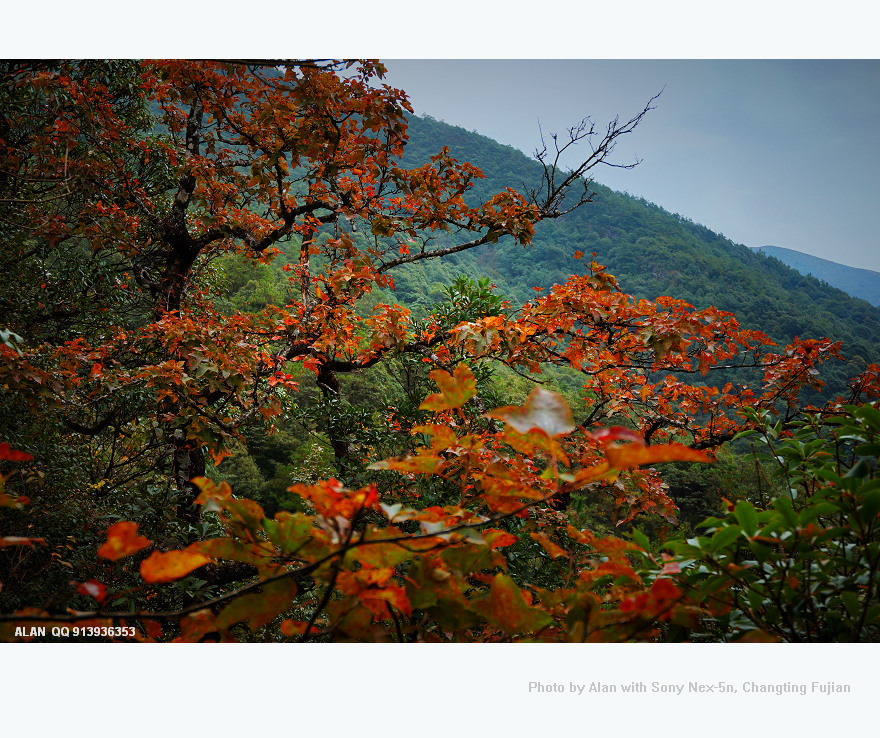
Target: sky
{"x": 767, "y": 152}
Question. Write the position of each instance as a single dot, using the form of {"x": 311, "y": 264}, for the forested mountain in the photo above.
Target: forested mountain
{"x": 258, "y": 383}
{"x": 652, "y": 252}
{"x": 863, "y": 283}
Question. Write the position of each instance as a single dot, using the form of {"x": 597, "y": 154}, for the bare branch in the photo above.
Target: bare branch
{"x": 556, "y": 181}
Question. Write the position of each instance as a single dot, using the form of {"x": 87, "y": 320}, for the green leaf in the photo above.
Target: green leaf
{"x": 714, "y": 584}
{"x": 868, "y": 449}
{"x": 870, "y": 507}
{"x": 860, "y": 470}
{"x": 784, "y": 506}
{"x": 747, "y": 517}
{"x": 852, "y": 603}
{"x": 289, "y": 531}
{"x": 641, "y": 539}
{"x": 871, "y": 415}
{"x": 382, "y": 555}
{"x": 756, "y": 600}
{"x": 724, "y": 537}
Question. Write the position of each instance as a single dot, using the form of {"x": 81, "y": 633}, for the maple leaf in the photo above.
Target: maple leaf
{"x": 122, "y": 540}
{"x": 507, "y": 608}
{"x": 210, "y": 490}
{"x": 455, "y": 389}
{"x": 543, "y": 410}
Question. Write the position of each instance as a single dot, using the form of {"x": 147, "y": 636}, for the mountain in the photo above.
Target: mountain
{"x": 651, "y": 251}
{"x": 863, "y": 283}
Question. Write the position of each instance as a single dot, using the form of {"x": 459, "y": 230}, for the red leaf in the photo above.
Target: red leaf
{"x": 292, "y": 628}
{"x": 92, "y": 588}
{"x": 12, "y": 455}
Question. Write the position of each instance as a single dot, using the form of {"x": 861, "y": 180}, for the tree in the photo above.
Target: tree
{"x": 127, "y": 185}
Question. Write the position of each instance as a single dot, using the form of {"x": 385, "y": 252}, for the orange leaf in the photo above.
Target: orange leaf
{"x": 122, "y": 540}
{"x": 168, "y": 567}
{"x": 210, "y": 490}
{"x": 499, "y": 538}
{"x": 633, "y": 454}
{"x": 19, "y": 541}
{"x": 455, "y": 389}
{"x": 548, "y": 545}
{"x": 218, "y": 456}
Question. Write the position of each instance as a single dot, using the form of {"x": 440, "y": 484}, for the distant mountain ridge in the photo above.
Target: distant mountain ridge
{"x": 862, "y": 283}
{"x": 651, "y": 251}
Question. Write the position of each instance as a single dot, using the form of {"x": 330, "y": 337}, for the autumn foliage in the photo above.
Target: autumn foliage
{"x": 138, "y": 179}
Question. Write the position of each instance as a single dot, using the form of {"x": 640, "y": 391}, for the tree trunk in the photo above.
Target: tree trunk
{"x": 189, "y": 462}
{"x": 341, "y": 453}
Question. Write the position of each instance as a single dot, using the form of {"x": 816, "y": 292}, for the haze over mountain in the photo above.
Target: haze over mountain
{"x": 651, "y": 251}
{"x": 863, "y": 283}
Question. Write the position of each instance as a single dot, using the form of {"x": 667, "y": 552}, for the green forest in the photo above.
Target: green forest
{"x": 283, "y": 362}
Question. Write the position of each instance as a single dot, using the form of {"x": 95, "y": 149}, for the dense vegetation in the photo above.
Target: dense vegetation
{"x": 278, "y": 365}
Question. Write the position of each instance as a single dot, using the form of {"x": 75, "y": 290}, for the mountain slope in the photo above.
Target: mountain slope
{"x": 862, "y": 283}
{"x": 651, "y": 251}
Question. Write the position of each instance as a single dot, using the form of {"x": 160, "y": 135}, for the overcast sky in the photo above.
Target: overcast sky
{"x": 766, "y": 152}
